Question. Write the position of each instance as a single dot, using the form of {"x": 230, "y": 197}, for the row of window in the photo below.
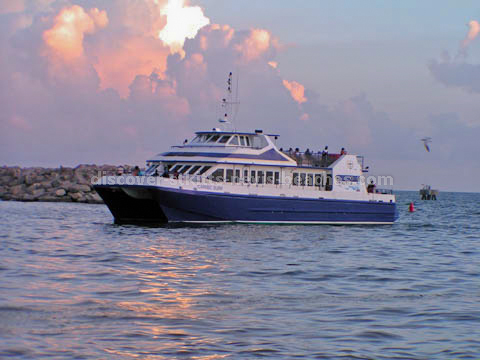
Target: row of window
{"x": 266, "y": 177}
{"x": 241, "y": 140}
{"x": 303, "y": 179}
{"x": 249, "y": 176}
{"x": 253, "y": 176}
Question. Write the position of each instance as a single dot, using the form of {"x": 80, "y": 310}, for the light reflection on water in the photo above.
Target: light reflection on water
{"x": 74, "y": 285}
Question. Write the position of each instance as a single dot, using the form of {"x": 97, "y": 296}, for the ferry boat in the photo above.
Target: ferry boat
{"x": 243, "y": 177}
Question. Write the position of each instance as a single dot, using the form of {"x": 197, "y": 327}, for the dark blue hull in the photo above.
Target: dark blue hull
{"x": 194, "y": 206}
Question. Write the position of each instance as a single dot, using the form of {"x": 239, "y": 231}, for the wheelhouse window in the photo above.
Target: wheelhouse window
{"x": 237, "y": 176}
{"x": 242, "y": 140}
{"x": 259, "y": 142}
{"x": 247, "y": 140}
{"x": 318, "y": 180}
{"x": 224, "y": 139}
{"x": 234, "y": 140}
{"x": 214, "y": 138}
{"x": 217, "y": 175}
{"x": 277, "y": 178}
{"x": 204, "y": 170}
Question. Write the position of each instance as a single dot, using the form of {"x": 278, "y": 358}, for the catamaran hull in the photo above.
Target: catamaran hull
{"x": 127, "y": 209}
{"x": 161, "y": 205}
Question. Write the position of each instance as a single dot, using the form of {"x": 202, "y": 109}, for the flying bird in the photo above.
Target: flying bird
{"x": 426, "y": 141}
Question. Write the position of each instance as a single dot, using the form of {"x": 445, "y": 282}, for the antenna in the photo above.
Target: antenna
{"x": 227, "y": 104}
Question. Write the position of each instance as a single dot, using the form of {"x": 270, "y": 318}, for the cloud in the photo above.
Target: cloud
{"x": 472, "y": 33}
{"x": 65, "y": 38}
{"x": 457, "y": 72}
{"x": 296, "y": 89}
{"x": 9, "y": 6}
{"x": 183, "y": 22}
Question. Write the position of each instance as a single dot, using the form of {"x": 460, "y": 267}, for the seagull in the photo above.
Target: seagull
{"x": 426, "y": 141}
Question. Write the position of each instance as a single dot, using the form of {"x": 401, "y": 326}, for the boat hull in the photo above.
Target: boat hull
{"x": 177, "y": 205}
{"x": 127, "y": 209}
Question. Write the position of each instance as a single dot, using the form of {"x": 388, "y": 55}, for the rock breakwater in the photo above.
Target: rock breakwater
{"x": 62, "y": 184}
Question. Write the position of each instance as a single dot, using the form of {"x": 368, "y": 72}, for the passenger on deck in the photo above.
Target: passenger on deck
{"x": 298, "y": 156}
{"x": 343, "y": 151}
{"x": 308, "y": 156}
{"x": 136, "y": 171}
{"x": 325, "y": 156}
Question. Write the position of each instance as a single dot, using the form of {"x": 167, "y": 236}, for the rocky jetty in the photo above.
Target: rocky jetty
{"x": 62, "y": 184}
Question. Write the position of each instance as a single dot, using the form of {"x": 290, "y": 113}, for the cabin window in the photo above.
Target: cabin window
{"x": 245, "y": 176}
{"x": 224, "y": 139}
{"x": 217, "y": 175}
{"x": 247, "y": 140}
{"x": 318, "y": 180}
{"x": 277, "y": 178}
{"x": 253, "y": 177}
{"x": 194, "y": 169}
{"x": 329, "y": 183}
{"x": 234, "y": 140}
{"x": 237, "y": 176}
{"x": 261, "y": 177}
{"x": 214, "y": 138}
{"x": 303, "y": 179}
{"x": 242, "y": 140}
{"x": 269, "y": 177}
{"x": 310, "y": 179}
{"x": 204, "y": 170}
{"x": 184, "y": 169}
{"x": 175, "y": 168}
{"x": 151, "y": 169}
{"x": 296, "y": 179}
{"x": 229, "y": 177}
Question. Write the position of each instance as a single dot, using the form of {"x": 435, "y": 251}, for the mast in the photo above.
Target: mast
{"x": 228, "y": 103}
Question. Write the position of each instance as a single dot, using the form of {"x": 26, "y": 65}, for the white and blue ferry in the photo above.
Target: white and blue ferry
{"x": 230, "y": 176}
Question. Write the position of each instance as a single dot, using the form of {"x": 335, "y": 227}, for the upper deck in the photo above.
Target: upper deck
{"x": 245, "y": 148}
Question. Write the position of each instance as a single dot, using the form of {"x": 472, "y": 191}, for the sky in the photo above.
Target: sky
{"x": 117, "y": 81}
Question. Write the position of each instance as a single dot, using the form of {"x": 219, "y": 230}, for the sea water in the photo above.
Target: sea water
{"x": 73, "y": 285}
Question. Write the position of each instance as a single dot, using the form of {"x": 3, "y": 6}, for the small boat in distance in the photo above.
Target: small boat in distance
{"x": 230, "y": 176}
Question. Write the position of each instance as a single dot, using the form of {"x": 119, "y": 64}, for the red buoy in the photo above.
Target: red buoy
{"x": 411, "y": 208}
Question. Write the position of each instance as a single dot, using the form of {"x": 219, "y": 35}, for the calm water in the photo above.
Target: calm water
{"x": 74, "y": 285}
